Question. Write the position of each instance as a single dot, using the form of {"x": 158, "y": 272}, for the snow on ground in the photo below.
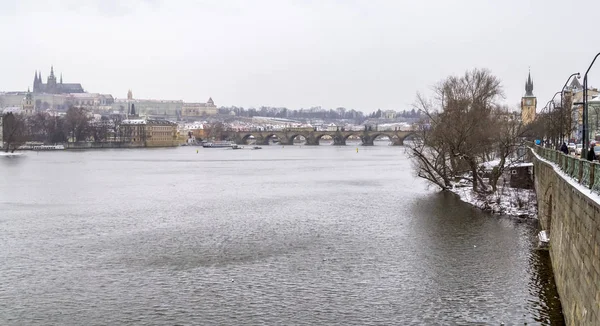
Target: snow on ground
{"x": 505, "y": 201}
{"x": 574, "y": 183}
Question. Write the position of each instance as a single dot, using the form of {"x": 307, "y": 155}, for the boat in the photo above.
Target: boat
{"x": 256, "y": 147}
{"x": 217, "y": 144}
{"x": 236, "y": 147}
{"x": 4, "y": 154}
{"x": 48, "y": 147}
{"x": 41, "y": 147}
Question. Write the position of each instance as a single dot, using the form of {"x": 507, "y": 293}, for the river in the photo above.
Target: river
{"x": 292, "y": 235}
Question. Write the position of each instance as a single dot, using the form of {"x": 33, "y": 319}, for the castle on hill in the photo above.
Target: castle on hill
{"x": 52, "y": 86}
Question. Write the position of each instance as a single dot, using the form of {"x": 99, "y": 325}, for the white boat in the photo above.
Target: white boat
{"x": 48, "y": 147}
{"x": 4, "y": 154}
{"x": 217, "y": 144}
{"x": 41, "y": 147}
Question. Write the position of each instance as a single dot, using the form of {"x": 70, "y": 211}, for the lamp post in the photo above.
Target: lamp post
{"x": 565, "y": 86}
{"x": 586, "y": 140}
{"x": 551, "y": 102}
{"x": 562, "y": 93}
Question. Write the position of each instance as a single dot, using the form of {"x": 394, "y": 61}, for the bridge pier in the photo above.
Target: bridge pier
{"x": 366, "y": 140}
{"x": 286, "y": 141}
{"x": 339, "y": 139}
{"x": 311, "y": 140}
{"x": 397, "y": 142}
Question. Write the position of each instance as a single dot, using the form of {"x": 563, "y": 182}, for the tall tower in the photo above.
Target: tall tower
{"x": 528, "y": 102}
{"x": 51, "y": 84}
{"x": 28, "y": 104}
{"x": 35, "y": 82}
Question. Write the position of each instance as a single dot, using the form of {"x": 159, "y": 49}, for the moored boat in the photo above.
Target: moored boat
{"x": 217, "y": 144}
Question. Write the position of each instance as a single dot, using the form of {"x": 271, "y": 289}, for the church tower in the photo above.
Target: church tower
{"x": 28, "y": 106}
{"x": 51, "y": 84}
{"x": 528, "y": 102}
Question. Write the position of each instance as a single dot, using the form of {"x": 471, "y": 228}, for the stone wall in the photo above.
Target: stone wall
{"x": 572, "y": 215}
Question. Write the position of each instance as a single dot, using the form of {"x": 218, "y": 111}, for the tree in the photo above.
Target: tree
{"x": 100, "y": 129}
{"x": 456, "y": 135}
{"x": 13, "y": 131}
{"x": 77, "y": 123}
{"x": 114, "y": 123}
{"x": 215, "y": 130}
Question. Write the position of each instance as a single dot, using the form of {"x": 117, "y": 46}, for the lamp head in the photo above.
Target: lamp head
{"x": 578, "y": 76}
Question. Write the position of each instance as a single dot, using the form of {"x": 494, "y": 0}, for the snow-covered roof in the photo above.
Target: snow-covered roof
{"x": 12, "y": 109}
{"x": 491, "y": 164}
{"x": 594, "y": 100}
{"x": 134, "y": 122}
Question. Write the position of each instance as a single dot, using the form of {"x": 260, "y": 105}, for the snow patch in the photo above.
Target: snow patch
{"x": 505, "y": 201}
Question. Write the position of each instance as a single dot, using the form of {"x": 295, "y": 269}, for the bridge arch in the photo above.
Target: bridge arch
{"x": 547, "y": 208}
{"x": 246, "y": 137}
{"x": 410, "y": 136}
{"x": 355, "y": 134}
{"x": 381, "y": 134}
{"x": 318, "y": 137}
{"x": 293, "y": 136}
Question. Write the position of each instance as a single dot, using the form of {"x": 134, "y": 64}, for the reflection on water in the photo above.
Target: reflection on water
{"x": 297, "y": 235}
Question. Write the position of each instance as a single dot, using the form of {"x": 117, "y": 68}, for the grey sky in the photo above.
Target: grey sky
{"x": 357, "y": 54}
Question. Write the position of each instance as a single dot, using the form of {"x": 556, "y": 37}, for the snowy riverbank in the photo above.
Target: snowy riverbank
{"x": 506, "y": 201}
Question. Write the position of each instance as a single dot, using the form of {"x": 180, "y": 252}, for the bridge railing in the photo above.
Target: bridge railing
{"x": 583, "y": 171}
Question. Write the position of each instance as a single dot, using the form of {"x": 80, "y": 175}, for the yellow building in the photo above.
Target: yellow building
{"x": 528, "y": 103}
{"x": 149, "y": 132}
{"x": 199, "y": 109}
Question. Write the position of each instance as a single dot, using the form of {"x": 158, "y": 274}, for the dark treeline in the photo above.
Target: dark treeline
{"x": 312, "y": 113}
{"x": 76, "y": 125}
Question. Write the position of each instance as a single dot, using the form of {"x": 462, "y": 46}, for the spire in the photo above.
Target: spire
{"x": 529, "y": 86}
{"x": 61, "y": 77}
{"x": 51, "y": 71}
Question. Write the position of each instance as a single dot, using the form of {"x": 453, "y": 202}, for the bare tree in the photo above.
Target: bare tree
{"x": 215, "y": 130}
{"x": 456, "y": 136}
{"x": 99, "y": 130}
{"x": 77, "y": 123}
{"x": 115, "y": 122}
{"x": 13, "y": 131}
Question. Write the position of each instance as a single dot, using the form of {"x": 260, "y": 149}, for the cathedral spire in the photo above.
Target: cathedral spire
{"x": 61, "y": 78}
{"x": 529, "y": 86}
{"x": 51, "y": 71}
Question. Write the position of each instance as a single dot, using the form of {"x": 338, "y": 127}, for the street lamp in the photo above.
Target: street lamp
{"x": 565, "y": 86}
{"x": 562, "y": 92}
{"x": 585, "y": 109}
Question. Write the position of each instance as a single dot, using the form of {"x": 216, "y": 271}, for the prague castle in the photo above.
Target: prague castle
{"x": 52, "y": 86}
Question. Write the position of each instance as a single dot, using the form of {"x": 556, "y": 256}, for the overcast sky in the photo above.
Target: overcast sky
{"x": 357, "y": 54}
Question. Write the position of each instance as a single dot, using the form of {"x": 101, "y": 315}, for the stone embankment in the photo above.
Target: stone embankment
{"x": 568, "y": 203}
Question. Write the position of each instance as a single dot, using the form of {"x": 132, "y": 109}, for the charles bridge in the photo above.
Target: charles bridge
{"x": 339, "y": 137}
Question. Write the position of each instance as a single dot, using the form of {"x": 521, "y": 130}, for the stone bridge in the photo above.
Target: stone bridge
{"x": 286, "y": 137}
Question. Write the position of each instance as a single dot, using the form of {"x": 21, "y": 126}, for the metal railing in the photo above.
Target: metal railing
{"x": 583, "y": 171}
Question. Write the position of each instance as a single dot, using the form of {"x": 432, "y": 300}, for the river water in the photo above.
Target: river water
{"x": 290, "y": 235}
